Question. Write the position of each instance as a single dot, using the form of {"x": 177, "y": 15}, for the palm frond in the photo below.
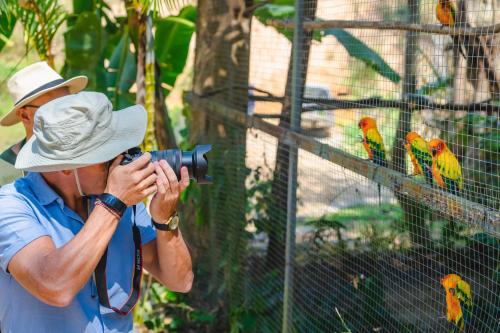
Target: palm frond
{"x": 164, "y": 7}
{"x": 4, "y": 9}
{"x": 41, "y": 20}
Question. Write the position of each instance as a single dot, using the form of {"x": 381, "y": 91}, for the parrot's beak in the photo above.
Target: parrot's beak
{"x": 433, "y": 151}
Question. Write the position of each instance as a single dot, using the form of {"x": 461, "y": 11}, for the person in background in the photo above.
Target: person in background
{"x": 30, "y": 88}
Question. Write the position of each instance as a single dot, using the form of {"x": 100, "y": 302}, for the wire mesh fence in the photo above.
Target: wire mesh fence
{"x": 356, "y": 164}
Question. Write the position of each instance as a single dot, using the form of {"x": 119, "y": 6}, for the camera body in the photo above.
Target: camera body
{"x": 195, "y": 161}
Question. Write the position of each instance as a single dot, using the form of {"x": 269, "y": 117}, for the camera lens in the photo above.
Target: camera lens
{"x": 195, "y": 161}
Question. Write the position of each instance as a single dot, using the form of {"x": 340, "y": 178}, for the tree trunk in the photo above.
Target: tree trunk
{"x": 145, "y": 80}
{"x": 164, "y": 133}
{"x": 222, "y": 64}
{"x": 275, "y": 258}
{"x": 414, "y": 213}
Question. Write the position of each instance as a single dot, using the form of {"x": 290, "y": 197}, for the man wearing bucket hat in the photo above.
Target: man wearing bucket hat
{"x": 30, "y": 88}
{"x": 69, "y": 264}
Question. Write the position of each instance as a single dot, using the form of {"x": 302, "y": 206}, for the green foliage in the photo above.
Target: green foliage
{"x": 171, "y": 52}
{"x": 359, "y": 50}
{"x": 372, "y": 227}
{"x": 259, "y": 199}
{"x": 434, "y": 86}
{"x": 285, "y": 10}
{"x": 121, "y": 72}
{"x": 162, "y": 310}
{"x": 158, "y": 6}
{"x": 261, "y": 310}
{"x": 83, "y": 47}
{"x": 41, "y": 20}
{"x": 3, "y": 7}
{"x": 7, "y": 24}
{"x": 479, "y": 135}
{"x": 99, "y": 47}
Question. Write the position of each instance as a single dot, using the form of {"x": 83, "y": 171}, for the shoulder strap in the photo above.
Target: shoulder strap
{"x": 135, "y": 293}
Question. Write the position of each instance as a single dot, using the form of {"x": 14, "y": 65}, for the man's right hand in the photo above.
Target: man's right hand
{"x": 133, "y": 182}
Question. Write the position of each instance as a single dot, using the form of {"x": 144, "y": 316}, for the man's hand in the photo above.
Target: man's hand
{"x": 132, "y": 183}
{"x": 165, "y": 200}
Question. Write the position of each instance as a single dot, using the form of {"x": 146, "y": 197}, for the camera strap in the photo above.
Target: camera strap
{"x": 135, "y": 292}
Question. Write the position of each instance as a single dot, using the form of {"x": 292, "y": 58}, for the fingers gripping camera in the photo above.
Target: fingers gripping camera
{"x": 195, "y": 161}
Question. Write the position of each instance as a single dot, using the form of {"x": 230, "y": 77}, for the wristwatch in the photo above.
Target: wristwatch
{"x": 169, "y": 225}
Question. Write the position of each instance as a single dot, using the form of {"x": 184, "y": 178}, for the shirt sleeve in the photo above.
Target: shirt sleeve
{"x": 18, "y": 227}
{"x": 143, "y": 221}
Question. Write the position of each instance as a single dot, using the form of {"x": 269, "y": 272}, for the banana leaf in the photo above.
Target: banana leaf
{"x": 7, "y": 23}
{"x": 172, "y": 39}
{"x": 121, "y": 73}
{"x": 284, "y": 10}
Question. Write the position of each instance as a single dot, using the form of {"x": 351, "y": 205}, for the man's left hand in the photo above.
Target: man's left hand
{"x": 164, "y": 202}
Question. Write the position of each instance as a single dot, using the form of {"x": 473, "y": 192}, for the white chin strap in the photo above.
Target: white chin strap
{"x": 78, "y": 183}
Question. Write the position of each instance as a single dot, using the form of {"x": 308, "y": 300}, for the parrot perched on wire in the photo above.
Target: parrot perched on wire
{"x": 471, "y": 48}
{"x": 374, "y": 145}
{"x": 372, "y": 141}
{"x": 446, "y": 168}
{"x": 418, "y": 149}
{"x": 458, "y": 301}
{"x": 446, "y": 13}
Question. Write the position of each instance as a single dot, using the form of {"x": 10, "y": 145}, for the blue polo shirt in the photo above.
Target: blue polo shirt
{"x": 30, "y": 209}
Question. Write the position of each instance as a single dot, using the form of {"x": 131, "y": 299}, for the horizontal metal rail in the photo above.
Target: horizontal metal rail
{"x": 440, "y": 201}
{"x": 382, "y": 25}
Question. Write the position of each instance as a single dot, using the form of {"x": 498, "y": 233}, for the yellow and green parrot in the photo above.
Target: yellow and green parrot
{"x": 458, "y": 301}
{"x": 446, "y": 168}
{"x": 446, "y": 13}
{"x": 418, "y": 149}
{"x": 372, "y": 141}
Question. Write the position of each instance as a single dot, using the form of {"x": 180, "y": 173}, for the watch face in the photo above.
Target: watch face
{"x": 174, "y": 223}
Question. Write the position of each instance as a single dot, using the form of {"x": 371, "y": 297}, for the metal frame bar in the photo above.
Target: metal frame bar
{"x": 382, "y": 25}
{"x": 295, "y": 115}
{"x": 436, "y": 199}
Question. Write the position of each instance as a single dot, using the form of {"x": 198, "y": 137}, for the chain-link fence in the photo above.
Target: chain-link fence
{"x": 326, "y": 215}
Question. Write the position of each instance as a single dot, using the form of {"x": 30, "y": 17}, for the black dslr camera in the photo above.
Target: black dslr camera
{"x": 195, "y": 161}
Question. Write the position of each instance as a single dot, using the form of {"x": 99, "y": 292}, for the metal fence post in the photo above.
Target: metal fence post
{"x": 296, "y": 107}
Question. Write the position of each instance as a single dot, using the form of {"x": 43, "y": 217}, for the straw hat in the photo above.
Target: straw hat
{"x": 79, "y": 130}
{"x": 34, "y": 81}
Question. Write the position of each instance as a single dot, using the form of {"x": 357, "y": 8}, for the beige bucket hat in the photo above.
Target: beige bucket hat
{"x": 33, "y": 81}
{"x": 79, "y": 130}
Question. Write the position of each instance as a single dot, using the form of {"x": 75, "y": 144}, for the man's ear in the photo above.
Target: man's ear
{"x": 24, "y": 115}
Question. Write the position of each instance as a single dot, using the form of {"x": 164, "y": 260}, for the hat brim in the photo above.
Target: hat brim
{"x": 75, "y": 84}
{"x": 130, "y": 131}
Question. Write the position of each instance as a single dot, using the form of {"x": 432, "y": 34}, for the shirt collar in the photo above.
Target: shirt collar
{"x": 42, "y": 190}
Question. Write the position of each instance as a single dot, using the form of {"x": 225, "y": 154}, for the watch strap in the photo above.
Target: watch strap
{"x": 165, "y": 226}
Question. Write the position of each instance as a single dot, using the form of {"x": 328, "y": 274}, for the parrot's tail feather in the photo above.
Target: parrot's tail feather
{"x": 428, "y": 175}
{"x": 458, "y": 44}
{"x": 379, "y": 195}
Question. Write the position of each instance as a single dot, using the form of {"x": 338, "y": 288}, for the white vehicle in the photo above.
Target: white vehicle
{"x": 317, "y": 123}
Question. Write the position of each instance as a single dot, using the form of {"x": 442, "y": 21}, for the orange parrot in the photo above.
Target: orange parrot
{"x": 418, "y": 149}
{"x": 372, "y": 141}
{"x": 458, "y": 301}
{"x": 446, "y": 13}
{"x": 446, "y": 168}
{"x": 470, "y": 47}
